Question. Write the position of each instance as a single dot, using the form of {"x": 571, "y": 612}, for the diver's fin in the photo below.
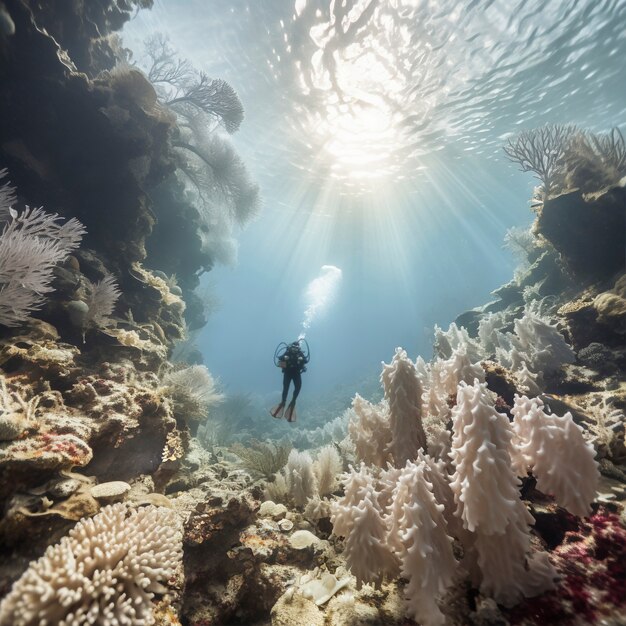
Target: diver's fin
{"x": 290, "y": 413}
{"x": 277, "y": 411}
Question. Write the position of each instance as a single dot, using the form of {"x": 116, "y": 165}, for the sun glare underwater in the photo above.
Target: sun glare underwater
{"x": 312, "y": 312}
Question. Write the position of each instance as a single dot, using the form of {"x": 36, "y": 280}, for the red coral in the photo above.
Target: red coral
{"x": 592, "y": 564}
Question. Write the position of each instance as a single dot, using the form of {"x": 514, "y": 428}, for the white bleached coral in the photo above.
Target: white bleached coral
{"x": 105, "y": 572}
{"x": 367, "y": 551}
{"x": 486, "y": 491}
{"x": 536, "y": 343}
{"x": 403, "y": 393}
{"x": 327, "y": 467}
{"x": 484, "y": 484}
{"x": 300, "y": 477}
{"x": 370, "y": 432}
{"x": 456, "y": 338}
{"x": 553, "y": 448}
{"x": 460, "y": 368}
{"x": 356, "y": 483}
{"x": 426, "y": 556}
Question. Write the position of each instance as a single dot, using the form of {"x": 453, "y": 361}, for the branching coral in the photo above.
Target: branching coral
{"x": 595, "y": 161}
{"x": 541, "y": 151}
{"x": 104, "y": 573}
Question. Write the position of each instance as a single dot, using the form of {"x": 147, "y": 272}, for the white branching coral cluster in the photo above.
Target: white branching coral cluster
{"x": 393, "y": 524}
{"x": 461, "y": 480}
{"x": 535, "y": 348}
{"x": 105, "y": 572}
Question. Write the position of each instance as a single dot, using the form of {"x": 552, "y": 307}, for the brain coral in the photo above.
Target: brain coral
{"x": 104, "y": 572}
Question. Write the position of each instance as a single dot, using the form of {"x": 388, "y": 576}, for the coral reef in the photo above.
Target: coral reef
{"x": 452, "y": 509}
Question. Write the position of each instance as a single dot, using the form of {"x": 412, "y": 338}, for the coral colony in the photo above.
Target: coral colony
{"x": 482, "y": 486}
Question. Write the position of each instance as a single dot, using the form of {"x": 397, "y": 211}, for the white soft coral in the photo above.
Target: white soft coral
{"x": 403, "y": 393}
{"x": 358, "y": 516}
{"x": 485, "y": 488}
{"x": 426, "y": 555}
{"x": 554, "y": 450}
{"x": 486, "y": 491}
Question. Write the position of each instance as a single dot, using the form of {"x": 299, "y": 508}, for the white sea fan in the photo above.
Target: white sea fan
{"x": 101, "y": 299}
{"x": 193, "y": 390}
{"x": 554, "y": 449}
{"x": 333, "y": 431}
{"x": 7, "y": 197}
{"x": 300, "y": 477}
{"x": 327, "y": 468}
{"x": 105, "y": 572}
{"x": 31, "y": 244}
{"x": 278, "y": 490}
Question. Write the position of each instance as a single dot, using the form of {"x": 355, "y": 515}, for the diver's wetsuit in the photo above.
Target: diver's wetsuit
{"x": 291, "y": 374}
{"x": 295, "y": 363}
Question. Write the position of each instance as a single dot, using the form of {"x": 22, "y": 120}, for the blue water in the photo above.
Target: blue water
{"x": 377, "y": 148}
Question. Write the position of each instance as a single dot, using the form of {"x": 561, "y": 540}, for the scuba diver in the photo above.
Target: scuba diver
{"x": 292, "y": 360}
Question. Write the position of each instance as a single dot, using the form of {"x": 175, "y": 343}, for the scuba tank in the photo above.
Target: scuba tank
{"x": 293, "y": 355}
